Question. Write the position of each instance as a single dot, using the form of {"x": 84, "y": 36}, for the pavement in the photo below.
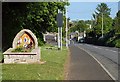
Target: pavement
{"x": 84, "y": 67}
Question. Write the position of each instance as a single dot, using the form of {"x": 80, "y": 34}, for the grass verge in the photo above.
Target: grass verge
{"x": 1, "y": 56}
{"x": 1, "y": 66}
{"x": 53, "y": 69}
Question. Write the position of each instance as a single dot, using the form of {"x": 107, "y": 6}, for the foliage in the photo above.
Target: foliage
{"x": 116, "y": 23}
{"x": 117, "y": 43}
{"x": 114, "y": 40}
{"x": 40, "y": 42}
{"x": 111, "y": 28}
{"x": 39, "y": 17}
{"x": 22, "y": 49}
{"x": 108, "y": 39}
{"x": 79, "y": 26}
{"x": 102, "y": 11}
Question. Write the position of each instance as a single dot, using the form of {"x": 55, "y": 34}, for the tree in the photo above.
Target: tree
{"x": 102, "y": 11}
{"x": 79, "y": 26}
{"x": 36, "y": 16}
{"x": 116, "y": 37}
{"x": 116, "y": 24}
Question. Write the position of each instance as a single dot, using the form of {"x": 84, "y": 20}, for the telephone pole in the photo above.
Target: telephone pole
{"x": 102, "y": 25}
{"x": 66, "y": 29}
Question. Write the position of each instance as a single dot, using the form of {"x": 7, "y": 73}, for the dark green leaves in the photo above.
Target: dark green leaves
{"x": 107, "y": 20}
{"x": 39, "y": 17}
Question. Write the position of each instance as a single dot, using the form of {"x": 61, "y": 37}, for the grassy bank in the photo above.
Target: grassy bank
{"x": 53, "y": 69}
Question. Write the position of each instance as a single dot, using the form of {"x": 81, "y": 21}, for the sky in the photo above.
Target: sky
{"x": 84, "y": 10}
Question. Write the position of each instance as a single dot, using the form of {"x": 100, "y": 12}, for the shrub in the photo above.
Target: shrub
{"x": 111, "y": 42}
{"x": 22, "y": 49}
{"x": 117, "y": 43}
{"x": 40, "y": 42}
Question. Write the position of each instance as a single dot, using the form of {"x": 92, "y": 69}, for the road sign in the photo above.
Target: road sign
{"x": 59, "y": 19}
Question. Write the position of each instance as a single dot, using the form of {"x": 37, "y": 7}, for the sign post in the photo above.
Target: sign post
{"x": 59, "y": 24}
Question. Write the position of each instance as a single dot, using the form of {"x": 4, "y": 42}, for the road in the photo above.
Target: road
{"x": 106, "y": 56}
{"x": 110, "y": 53}
{"x": 84, "y": 67}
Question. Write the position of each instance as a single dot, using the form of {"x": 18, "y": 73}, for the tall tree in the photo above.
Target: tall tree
{"x": 116, "y": 23}
{"x": 102, "y": 11}
{"x": 36, "y": 16}
{"x": 79, "y": 26}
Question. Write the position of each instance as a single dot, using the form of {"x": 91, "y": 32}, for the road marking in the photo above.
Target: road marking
{"x": 97, "y": 47}
{"x": 105, "y": 49}
{"x": 94, "y": 46}
{"x": 111, "y": 50}
{"x": 99, "y": 63}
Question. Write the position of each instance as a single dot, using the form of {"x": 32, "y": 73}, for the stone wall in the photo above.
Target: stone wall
{"x": 23, "y": 57}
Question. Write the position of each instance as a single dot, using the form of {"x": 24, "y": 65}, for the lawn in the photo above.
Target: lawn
{"x": 53, "y": 69}
{"x": 1, "y": 66}
{"x": 1, "y": 56}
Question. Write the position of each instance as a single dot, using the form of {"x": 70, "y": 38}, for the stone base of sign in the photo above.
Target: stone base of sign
{"x": 22, "y": 57}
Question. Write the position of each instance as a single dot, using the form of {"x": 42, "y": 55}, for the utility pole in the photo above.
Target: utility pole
{"x": 91, "y": 23}
{"x": 61, "y": 37}
{"x": 66, "y": 29}
{"x": 58, "y": 38}
{"x": 58, "y": 34}
{"x": 102, "y": 25}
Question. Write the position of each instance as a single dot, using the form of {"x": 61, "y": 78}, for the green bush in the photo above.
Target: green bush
{"x": 22, "y": 49}
{"x": 117, "y": 43}
{"x": 40, "y": 42}
{"x": 111, "y": 42}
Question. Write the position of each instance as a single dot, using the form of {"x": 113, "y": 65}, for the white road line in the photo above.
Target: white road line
{"x": 94, "y": 46}
{"x": 99, "y": 63}
{"x": 105, "y": 49}
{"x": 97, "y": 47}
{"x": 111, "y": 50}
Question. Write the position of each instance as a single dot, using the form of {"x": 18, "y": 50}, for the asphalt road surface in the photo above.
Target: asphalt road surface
{"x": 84, "y": 67}
{"x": 107, "y": 57}
{"x": 110, "y": 53}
